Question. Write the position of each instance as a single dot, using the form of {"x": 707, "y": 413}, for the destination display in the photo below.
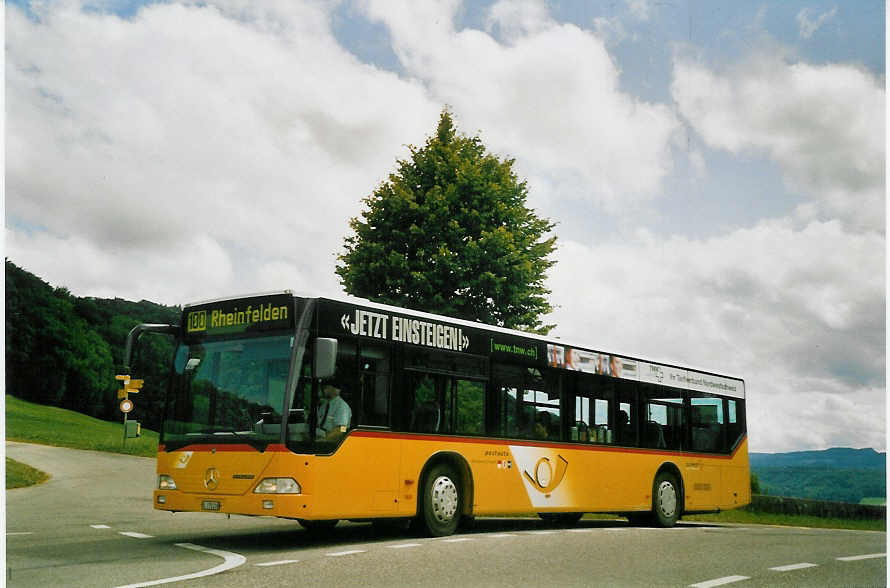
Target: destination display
{"x": 240, "y": 316}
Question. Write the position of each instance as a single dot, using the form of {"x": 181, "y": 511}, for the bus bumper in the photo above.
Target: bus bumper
{"x": 274, "y": 505}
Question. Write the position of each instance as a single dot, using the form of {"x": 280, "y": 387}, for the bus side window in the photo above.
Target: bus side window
{"x": 373, "y": 389}
{"x": 425, "y": 410}
{"x": 734, "y": 424}
{"x": 470, "y": 411}
{"x": 706, "y": 421}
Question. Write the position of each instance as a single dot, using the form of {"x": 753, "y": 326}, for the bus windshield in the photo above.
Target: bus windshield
{"x": 229, "y": 391}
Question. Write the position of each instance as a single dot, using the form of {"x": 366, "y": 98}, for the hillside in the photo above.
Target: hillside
{"x": 64, "y": 350}
{"x": 839, "y": 474}
{"x": 837, "y": 457}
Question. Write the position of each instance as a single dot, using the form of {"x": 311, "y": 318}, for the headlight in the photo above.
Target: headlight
{"x": 277, "y": 486}
{"x": 165, "y": 482}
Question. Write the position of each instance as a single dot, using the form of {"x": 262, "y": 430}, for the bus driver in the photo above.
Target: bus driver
{"x": 334, "y": 415}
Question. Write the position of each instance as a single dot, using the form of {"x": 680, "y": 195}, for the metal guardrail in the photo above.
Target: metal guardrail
{"x": 816, "y": 508}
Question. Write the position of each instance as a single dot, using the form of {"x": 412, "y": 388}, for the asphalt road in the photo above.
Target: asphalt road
{"x": 92, "y": 525}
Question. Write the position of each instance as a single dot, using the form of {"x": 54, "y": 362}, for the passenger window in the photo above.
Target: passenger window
{"x": 470, "y": 411}
{"x": 595, "y": 397}
{"x": 664, "y": 426}
{"x": 626, "y": 420}
{"x": 374, "y": 386}
{"x": 531, "y": 412}
{"x": 581, "y": 428}
{"x": 425, "y": 406}
{"x": 707, "y": 424}
{"x": 735, "y": 412}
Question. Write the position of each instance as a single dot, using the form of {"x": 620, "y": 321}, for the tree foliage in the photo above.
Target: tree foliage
{"x": 450, "y": 232}
{"x": 64, "y": 351}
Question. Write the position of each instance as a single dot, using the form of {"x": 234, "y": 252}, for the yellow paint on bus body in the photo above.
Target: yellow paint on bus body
{"x": 376, "y": 475}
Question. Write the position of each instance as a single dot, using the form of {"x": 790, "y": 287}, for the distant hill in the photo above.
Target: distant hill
{"x": 840, "y": 474}
{"x": 837, "y": 457}
{"x": 64, "y": 350}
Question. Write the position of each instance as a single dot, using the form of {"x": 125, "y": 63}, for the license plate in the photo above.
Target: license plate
{"x": 210, "y": 505}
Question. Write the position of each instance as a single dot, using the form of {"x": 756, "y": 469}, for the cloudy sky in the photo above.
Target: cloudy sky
{"x": 716, "y": 169}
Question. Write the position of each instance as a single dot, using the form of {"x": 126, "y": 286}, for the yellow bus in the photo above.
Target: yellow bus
{"x": 321, "y": 410}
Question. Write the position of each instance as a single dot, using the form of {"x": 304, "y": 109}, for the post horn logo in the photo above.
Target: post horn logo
{"x": 546, "y": 478}
{"x": 211, "y": 478}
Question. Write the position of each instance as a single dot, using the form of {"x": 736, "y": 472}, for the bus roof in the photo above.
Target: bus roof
{"x": 484, "y": 326}
{"x": 346, "y": 299}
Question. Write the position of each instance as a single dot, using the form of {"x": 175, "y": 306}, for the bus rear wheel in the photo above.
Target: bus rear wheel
{"x": 666, "y": 500}
{"x": 440, "y": 502}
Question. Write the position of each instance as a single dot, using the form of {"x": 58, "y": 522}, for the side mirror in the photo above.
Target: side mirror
{"x": 324, "y": 361}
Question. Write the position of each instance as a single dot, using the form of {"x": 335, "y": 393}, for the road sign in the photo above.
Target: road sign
{"x": 126, "y": 405}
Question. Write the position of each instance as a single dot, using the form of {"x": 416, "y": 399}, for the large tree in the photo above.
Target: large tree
{"x": 449, "y": 232}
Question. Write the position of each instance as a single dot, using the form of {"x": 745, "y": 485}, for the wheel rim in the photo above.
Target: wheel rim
{"x": 667, "y": 498}
{"x": 444, "y": 499}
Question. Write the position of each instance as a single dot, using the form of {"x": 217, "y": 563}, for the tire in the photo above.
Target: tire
{"x": 561, "y": 518}
{"x": 440, "y": 503}
{"x": 667, "y": 500}
{"x": 318, "y": 525}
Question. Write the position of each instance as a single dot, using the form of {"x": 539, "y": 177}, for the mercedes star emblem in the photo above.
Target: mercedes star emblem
{"x": 211, "y": 479}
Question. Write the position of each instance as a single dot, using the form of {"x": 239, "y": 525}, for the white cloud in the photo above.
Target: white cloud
{"x": 514, "y": 19}
{"x": 639, "y": 9}
{"x": 799, "y": 313}
{"x": 548, "y": 95}
{"x": 824, "y": 125}
{"x": 245, "y": 126}
{"x": 611, "y": 30}
{"x": 807, "y": 26}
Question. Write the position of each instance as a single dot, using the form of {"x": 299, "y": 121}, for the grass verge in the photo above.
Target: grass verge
{"x": 747, "y": 517}
{"x": 20, "y": 475}
{"x": 49, "y": 425}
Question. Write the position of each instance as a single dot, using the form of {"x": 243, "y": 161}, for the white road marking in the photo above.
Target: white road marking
{"x": 579, "y": 530}
{"x": 719, "y": 581}
{"x": 403, "y": 545}
{"x": 100, "y": 526}
{"x": 21, "y": 533}
{"x": 457, "y": 539}
{"x": 858, "y": 557}
{"x": 135, "y": 535}
{"x": 797, "y": 566}
{"x": 277, "y": 563}
{"x": 499, "y": 535}
{"x": 542, "y": 532}
{"x": 232, "y": 560}
{"x": 350, "y": 552}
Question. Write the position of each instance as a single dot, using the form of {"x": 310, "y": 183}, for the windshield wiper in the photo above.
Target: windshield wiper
{"x": 258, "y": 444}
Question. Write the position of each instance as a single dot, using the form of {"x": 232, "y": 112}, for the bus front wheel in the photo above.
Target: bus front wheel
{"x": 666, "y": 500}
{"x": 440, "y": 506}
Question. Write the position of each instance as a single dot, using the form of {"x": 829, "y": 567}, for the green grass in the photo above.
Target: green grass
{"x": 747, "y": 517}
{"x": 48, "y": 425}
{"x": 20, "y": 475}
